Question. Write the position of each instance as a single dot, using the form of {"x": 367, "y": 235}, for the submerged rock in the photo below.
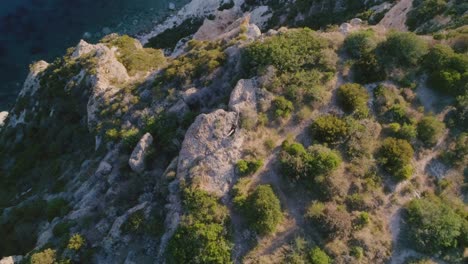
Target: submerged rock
{"x": 137, "y": 159}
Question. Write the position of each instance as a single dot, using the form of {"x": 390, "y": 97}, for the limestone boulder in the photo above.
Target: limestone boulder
{"x": 137, "y": 159}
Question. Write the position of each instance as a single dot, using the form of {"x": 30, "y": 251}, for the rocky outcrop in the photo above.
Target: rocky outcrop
{"x": 31, "y": 85}
{"x": 243, "y": 97}
{"x": 108, "y": 73}
{"x": 208, "y": 153}
{"x": 137, "y": 159}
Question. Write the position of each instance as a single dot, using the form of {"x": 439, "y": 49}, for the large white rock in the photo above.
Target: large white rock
{"x": 103, "y": 169}
{"x": 3, "y": 116}
{"x": 209, "y": 154}
{"x": 137, "y": 159}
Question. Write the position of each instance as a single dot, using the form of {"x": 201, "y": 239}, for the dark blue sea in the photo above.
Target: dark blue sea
{"x": 32, "y": 30}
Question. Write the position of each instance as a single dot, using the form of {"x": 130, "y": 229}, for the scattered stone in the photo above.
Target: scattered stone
{"x": 172, "y": 6}
{"x": 345, "y": 28}
{"x": 103, "y": 169}
{"x": 356, "y": 22}
{"x": 137, "y": 159}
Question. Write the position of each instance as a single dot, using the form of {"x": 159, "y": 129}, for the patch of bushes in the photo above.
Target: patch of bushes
{"x": 423, "y": 11}
{"x": 201, "y": 59}
{"x": 434, "y": 226}
{"x": 430, "y": 130}
{"x": 282, "y": 107}
{"x": 130, "y": 138}
{"x": 360, "y": 43}
{"x": 395, "y": 156}
{"x": 402, "y": 49}
{"x": 318, "y": 256}
{"x": 135, "y": 59}
{"x": 334, "y": 221}
{"x": 202, "y": 234}
{"x": 448, "y": 71}
{"x": 290, "y": 51}
{"x": 76, "y": 242}
{"x": 353, "y": 98}
{"x": 263, "y": 210}
{"x": 329, "y": 129}
{"x": 249, "y": 167}
{"x": 298, "y": 163}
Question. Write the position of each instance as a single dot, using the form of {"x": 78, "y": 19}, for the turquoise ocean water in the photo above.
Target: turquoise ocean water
{"x": 32, "y": 30}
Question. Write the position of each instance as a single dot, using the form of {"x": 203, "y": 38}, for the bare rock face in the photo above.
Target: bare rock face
{"x": 109, "y": 72}
{"x": 31, "y": 85}
{"x": 11, "y": 260}
{"x": 243, "y": 97}
{"x": 137, "y": 159}
{"x": 208, "y": 153}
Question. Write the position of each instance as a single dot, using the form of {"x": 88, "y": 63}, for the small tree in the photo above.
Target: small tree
{"x": 395, "y": 156}
{"x": 264, "y": 210}
{"x": 402, "y": 48}
{"x": 353, "y": 98}
{"x": 329, "y": 129}
{"x": 44, "y": 257}
{"x": 282, "y": 107}
{"x": 318, "y": 256}
{"x": 360, "y": 43}
{"x": 430, "y": 130}
{"x": 76, "y": 242}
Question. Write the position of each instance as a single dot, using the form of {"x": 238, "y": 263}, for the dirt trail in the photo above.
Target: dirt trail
{"x": 395, "y": 18}
{"x": 394, "y": 211}
{"x": 293, "y": 205}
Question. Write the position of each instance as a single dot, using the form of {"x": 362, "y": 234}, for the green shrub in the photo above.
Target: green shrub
{"x": 249, "y": 167}
{"x": 395, "y": 156}
{"x": 47, "y": 256}
{"x": 357, "y": 252}
{"x": 362, "y": 220}
{"x": 448, "y": 71}
{"x": 289, "y": 51}
{"x": 76, "y": 242}
{"x": 359, "y": 43}
{"x": 112, "y": 135}
{"x": 282, "y": 107}
{"x": 297, "y": 163}
{"x": 199, "y": 243}
{"x": 402, "y": 49}
{"x": 264, "y": 210}
{"x": 133, "y": 58}
{"x": 318, "y": 256}
{"x": 434, "y": 226}
{"x": 368, "y": 69}
{"x": 202, "y": 234}
{"x": 163, "y": 127}
{"x": 130, "y": 138}
{"x": 329, "y": 129}
{"x": 57, "y": 208}
{"x": 430, "y": 130}
{"x": 353, "y": 98}
{"x": 201, "y": 59}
